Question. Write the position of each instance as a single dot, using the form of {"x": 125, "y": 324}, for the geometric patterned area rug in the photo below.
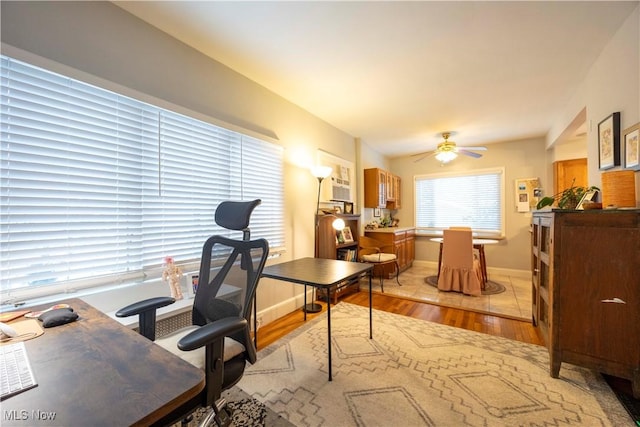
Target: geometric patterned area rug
{"x": 246, "y": 412}
{"x": 420, "y": 373}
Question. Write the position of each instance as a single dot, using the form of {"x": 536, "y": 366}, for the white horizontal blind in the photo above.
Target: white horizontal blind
{"x": 70, "y": 170}
{"x": 473, "y": 199}
{"x": 98, "y": 188}
{"x": 263, "y": 178}
{"x": 181, "y": 197}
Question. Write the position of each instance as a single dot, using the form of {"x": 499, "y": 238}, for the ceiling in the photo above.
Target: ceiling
{"x": 398, "y": 74}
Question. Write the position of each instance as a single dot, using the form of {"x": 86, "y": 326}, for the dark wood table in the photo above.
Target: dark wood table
{"x": 94, "y": 371}
{"x": 325, "y": 274}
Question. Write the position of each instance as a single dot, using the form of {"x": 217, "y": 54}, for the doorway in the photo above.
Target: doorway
{"x": 569, "y": 172}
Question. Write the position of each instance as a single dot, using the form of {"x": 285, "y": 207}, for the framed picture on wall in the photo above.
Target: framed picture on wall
{"x": 609, "y": 142}
{"x": 347, "y": 208}
{"x": 631, "y": 143}
{"x": 376, "y": 212}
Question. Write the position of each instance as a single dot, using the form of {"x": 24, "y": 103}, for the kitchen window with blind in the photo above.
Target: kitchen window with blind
{"x": 97, "y": 188}
{"x": 472, "y": 198}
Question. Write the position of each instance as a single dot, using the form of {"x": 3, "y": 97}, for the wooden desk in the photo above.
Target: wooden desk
{"x": 321, "y": 273}
{"x": 97, "y": 372}
{"x": 477, "y": 244}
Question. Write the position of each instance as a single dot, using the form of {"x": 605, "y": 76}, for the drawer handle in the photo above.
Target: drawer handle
{"x": 614, "y": 300}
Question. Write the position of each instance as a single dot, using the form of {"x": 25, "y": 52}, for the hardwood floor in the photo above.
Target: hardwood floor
{"x": 493, "y": 325}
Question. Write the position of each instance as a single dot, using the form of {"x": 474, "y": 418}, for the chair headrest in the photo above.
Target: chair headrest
{"x": 235, "y": 215}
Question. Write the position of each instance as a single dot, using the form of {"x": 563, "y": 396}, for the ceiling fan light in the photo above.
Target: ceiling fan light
{"x": 446, "y": 156}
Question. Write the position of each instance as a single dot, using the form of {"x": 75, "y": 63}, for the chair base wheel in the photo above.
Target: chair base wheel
{"x": 220, "y": 416}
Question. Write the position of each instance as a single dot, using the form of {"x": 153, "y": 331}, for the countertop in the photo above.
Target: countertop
{"x": 389, "y": 229}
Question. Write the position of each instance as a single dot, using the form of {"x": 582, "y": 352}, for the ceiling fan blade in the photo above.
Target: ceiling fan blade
{"x": 422, "y": 156}
{"x": 469, "y": 153}
{"x": 474, "y": 148}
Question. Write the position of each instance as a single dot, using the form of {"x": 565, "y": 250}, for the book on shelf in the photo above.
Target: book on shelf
{"x": 347, "y": 254}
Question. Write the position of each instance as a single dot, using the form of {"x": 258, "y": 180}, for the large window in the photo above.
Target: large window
{"x": 97, "y": 188}
{"x": 474, "y": 199}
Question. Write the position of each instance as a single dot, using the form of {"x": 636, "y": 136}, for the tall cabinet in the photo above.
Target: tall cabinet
{"x": 586, "y": 289}
{"x": 328, "y": 246}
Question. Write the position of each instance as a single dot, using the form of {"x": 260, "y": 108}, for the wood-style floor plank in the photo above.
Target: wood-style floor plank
{"x": 508, "y": 328}
{"x": 494, "y": 325}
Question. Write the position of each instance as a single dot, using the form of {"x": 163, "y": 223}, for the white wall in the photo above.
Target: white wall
{"x": 612, "y": 84}
{"x": 521, "y": 159}
{"x": 369, "y": 158}
{"x": 101, "y": 43}
{"x": 576, "y": 149}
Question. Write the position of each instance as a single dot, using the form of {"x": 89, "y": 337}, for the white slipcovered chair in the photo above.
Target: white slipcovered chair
{"x": 460, "y": 270}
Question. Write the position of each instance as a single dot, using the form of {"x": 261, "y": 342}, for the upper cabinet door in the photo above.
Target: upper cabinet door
{"x": 391, "y": 190}
{"x": 381, "y": 189}
{"x": 375, "y": 188}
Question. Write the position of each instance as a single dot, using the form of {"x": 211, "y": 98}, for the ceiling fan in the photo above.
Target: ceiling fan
{"x": 448, "y": 150}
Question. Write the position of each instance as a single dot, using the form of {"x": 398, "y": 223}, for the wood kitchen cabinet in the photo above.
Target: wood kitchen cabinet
{"x": 375, "y": 188}
{"x": 410, "y": 247}
{"x": 403, "y": 241}
{"x": 381, "y": 189}
{"x": 586, "y": 289}
{"x": 391, "y": 190}
{"x": 397, "y": 182}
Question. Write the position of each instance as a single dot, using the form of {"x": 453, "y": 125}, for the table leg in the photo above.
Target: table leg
{"x": 483, "y": 264}
{"x": 439, "y": 260}
{"x": 329, "y": 329}
{"x": 370, "y": 306}
{"x": 304, "y": 307}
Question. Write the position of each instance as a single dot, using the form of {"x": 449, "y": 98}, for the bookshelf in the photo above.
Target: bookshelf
{"x": 334, "y": 245}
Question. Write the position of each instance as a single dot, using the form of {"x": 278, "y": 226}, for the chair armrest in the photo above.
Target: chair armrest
{"x": 368, "y": 250}
{"x": 146, "y": 310}
{"x": 212, "y": 332}
{"x": 391, "y": 249}
{"x": 145, "y": 305}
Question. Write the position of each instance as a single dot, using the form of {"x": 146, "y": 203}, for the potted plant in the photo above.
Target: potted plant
{"x": 567, "y": 198}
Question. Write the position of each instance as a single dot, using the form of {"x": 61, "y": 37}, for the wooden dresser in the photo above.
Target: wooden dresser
{"x": 586, "y": 289}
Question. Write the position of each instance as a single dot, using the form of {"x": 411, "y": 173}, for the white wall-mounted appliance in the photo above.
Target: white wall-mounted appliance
{"x": 340, "y": 185}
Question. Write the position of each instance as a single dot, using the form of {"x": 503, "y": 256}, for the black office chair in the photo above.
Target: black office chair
{"x": 229, "y": 273}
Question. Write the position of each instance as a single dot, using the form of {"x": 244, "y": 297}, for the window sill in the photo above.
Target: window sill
{"x": 431, "y": 234}
{"x": 110, "y": 299}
